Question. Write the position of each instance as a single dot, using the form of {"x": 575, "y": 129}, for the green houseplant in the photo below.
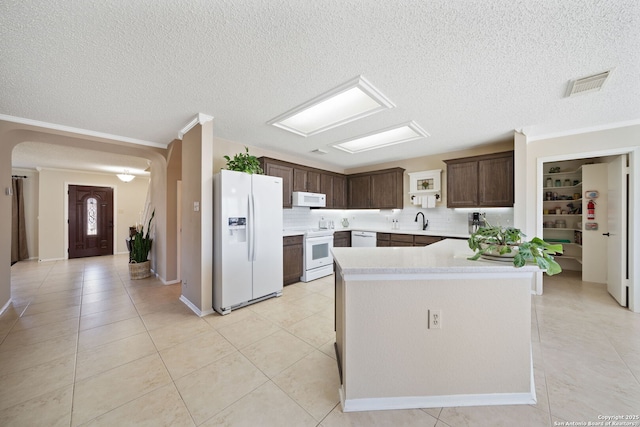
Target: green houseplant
{"x": 244, "y": 162}
{"x": 139, "y": 265}
{"x": 508, "y": 242}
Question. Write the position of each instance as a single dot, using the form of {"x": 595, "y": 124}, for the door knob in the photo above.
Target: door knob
{"x": 606, "y": 234}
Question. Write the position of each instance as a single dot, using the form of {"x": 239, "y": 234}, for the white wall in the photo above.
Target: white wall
{"x": 528, "y": 180}
{"x": 129, "y": 201}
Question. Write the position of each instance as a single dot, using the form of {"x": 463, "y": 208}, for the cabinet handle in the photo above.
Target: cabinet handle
{"x": 606, "y": 234}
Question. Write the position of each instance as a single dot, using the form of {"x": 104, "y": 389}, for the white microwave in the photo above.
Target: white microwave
{"x": 312, "y": 200}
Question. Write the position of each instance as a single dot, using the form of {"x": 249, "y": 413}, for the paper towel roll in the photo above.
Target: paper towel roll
{"x": 424, "y": 201}
{"x": 416, "y": 200}
{"x": 431, "y": 201}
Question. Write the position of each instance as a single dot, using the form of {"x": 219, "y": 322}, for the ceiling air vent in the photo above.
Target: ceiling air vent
{"x": 587, "y": 84}
{"x": 319, "y": 151}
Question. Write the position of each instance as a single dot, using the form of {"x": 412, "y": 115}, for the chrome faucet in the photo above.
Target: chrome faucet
{"x": 425, "y": 223}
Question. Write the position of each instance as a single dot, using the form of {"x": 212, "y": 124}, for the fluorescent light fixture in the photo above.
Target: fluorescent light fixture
{"x": 350, "y": 101}
{"x": 125, "y": 177}
{"x": 383, "y": 138}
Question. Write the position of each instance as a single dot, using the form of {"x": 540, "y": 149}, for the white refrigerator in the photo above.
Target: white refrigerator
{"x": 247, "y": 249}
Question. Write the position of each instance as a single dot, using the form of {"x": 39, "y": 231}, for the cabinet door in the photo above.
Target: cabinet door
{"x": 384, "y": 190}
{"x": 342, "y": 239}
{"x": 326, "y": 187}
{"x": 462, "y": 184}
{"x": 292, "y": 259}
{"x": 299, "y": 179}
{"x": 359, "y": 192}
{"x": 419, "y": 240}
{"x": 495, "y": 182}
{"x": 339, "y": 192}
{"x": 313, "y": 181}
{"x": 306, "y": 180}
{"x": 286, "y": 173}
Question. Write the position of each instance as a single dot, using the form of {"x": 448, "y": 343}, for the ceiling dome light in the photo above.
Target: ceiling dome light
{"x": 126, "y": 176}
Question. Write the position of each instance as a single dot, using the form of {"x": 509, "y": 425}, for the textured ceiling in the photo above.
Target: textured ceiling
{"x": 468, "y": 71}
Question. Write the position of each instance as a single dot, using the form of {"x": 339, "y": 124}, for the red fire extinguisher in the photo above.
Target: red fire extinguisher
{"x": 591, "y": 210}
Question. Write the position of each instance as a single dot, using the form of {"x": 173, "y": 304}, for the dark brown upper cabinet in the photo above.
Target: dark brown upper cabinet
{"x": 381, "y": 189}
{"x": 301, "y": 178}
{"x": 480, "y": 181}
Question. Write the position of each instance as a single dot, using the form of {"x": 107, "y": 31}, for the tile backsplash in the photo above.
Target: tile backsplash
{"x": 441, "y": 220}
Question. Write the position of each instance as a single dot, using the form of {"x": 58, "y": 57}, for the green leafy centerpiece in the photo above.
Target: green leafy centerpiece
{"x": 494, "y": 242}
{"x": 244, "y": 162}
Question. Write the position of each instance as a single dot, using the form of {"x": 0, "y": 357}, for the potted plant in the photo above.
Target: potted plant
{"x": 507, "y": 242}
{"x": 139, "y": 265}
{"x": 244, "y": 162}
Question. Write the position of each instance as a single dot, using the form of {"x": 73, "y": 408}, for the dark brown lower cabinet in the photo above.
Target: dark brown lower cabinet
{"x": 342, "y": 239}
{"x": 292, "y": 259}
{"x": 397, "y": 239}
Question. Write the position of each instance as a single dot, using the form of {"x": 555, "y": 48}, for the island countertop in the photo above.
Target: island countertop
{"x": 444, "y": 257}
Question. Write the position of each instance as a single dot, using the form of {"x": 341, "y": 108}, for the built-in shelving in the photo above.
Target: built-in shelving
{"x": 561, "y": 189}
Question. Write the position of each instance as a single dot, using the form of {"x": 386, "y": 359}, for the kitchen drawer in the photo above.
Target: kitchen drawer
{"x": 426, "y": 240}
{"x": 383, "y": 236}
{"x": 292, "y": 240}
{"x": 402, "y": 238}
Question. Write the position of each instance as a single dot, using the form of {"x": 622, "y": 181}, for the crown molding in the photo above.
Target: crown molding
{"x": 199, "y": 119}
{"x": 85, "y": 132}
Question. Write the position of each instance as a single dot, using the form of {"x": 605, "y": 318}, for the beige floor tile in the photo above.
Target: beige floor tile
{"x": 51, "y": 409}
{"x": 112, "y": 294}
{"x": 44, "y": 296}
{"x": 102, "y": 318}
{"x": 292, "y": 293}
{"x": 46, "y": 318}
{"x": 209, "y": 390}
{"x": 43, "y": 307}
{"x": 109, "y": 333}
{"x": 21, "y": 386}
{"x": 434, "y": 412}
{"x": 313, "y": 383}
{"x": 285, "y": 314}
{"x": 265, "y": 406}
{"x": 217, "y": 320}
{"x": 39, "y": 333}
{"x": 161, "y": 407}
{"x": 199, "y": 351}
{"x": 315, "y": 330}
{"x": 113, "y": 303}
{"x": 101, "y": 393}
{"x": 276, "y": 352}
{"x": 250, "y": 330}
{"x": 178, "y": 332}
{"x": 315, "y": 303}
{"x": 108, "y": 356}
{"x": 329, "y": 349}
{"x": 407, "y": 417}
{"x": 498, "y": 416}
{"x": 28, "y": 356}
{"x": 169, "y": 317}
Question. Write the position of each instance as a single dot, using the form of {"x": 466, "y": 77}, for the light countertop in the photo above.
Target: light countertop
{"x": 300, "y": 232}
{"x": 446, "y": 256}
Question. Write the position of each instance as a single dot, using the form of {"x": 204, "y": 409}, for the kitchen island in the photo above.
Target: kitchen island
{"x": 421, "y": 327}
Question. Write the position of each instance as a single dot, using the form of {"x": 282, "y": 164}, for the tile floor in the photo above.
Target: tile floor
{"x": 83, "y": 345}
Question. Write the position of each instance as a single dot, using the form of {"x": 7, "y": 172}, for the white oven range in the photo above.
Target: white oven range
{"x": 318, "y": 261}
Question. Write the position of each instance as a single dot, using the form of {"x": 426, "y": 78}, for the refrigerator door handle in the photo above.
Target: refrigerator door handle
{"x": 251, "y": 227}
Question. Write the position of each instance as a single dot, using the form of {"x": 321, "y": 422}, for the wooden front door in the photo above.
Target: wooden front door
{"x": 90, "y": 221}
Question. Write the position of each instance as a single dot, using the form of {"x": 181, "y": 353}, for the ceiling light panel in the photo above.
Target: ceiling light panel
{"x": 383, "y": 138}
{"x": 350, "y": 101}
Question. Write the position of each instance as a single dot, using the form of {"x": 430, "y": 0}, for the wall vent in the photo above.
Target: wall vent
{"x": 587, "y": 84}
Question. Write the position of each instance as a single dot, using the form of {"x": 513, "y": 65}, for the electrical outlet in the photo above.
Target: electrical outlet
{"x": 435, "y": 319}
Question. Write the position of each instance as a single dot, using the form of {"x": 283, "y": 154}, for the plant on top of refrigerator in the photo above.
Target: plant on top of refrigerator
{"x": 244, "y": 162}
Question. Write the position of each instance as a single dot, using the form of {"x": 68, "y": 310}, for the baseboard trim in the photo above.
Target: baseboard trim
{"x": 195, "y": 309}
{"x": 415, "y": 402}
{"x": 5, "y": 307}
{"x": 51, "y": 259}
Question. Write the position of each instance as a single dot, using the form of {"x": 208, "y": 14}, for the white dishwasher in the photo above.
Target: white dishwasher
{"x": 363, "y": 239}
